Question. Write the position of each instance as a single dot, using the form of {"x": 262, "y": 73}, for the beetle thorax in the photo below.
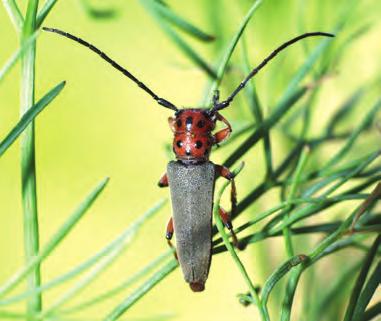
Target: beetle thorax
{"x": 193, "y": 137}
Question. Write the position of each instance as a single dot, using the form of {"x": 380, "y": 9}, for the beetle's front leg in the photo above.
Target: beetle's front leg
{"x": 226, "y": 219}
{"x": 223, "y": 134}
{"x": 168, "y": 235}
{"x": 224, "y": 172}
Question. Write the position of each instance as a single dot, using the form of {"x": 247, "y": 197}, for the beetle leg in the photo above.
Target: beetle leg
{"x": 163, "y": 182}
{"x": 224, "y": 172}
{"x": 168, "y": 235}
{"x": 223, "y": 134}
{"x": 226, "y": 219}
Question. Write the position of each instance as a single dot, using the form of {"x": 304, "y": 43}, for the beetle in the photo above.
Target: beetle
{"x": 191, "y": 177}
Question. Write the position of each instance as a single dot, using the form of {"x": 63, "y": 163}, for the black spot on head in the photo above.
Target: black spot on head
{"x": 179, "y": 144}
{"x": 200, "y": 123}
{"x": 179, "y": 123}
{"x": 189, "y": 121}
{"x": 188, "y": 152}
{"x": 198, "y": 144}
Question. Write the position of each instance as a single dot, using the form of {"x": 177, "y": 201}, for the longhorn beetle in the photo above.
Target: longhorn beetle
{"x": 192, "y": 177}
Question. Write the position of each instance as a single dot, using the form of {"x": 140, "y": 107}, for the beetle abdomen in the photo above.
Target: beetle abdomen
{"x": 192, "y": 188}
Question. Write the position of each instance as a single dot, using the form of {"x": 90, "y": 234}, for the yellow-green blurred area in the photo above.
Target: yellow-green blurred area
{"x": 103, "y": 125}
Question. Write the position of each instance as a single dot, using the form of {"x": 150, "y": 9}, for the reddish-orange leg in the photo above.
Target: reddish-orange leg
{"x": 224, "y": 172}
{"x": 223, "y": 134}
{"x": 163, "y": 182}
{"x": 226, "y": 218}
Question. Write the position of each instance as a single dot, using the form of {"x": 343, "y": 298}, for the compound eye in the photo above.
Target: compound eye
{"x": 201, "y": 123}
{"x": 198, "y": 144}
{"x": 179, "y": 144}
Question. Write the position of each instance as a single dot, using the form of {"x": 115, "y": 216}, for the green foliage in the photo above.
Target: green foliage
{"x": 309, "y": 183}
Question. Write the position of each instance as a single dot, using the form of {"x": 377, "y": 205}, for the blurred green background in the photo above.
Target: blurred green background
{"x": 103, "y": 125}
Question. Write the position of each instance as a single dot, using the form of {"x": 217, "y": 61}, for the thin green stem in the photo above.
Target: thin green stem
{"x": 294, "y": 185}
{"x": 263, "y": 313}
{"x": 14, "y": 14}
{"x": 52, "y": 243}
{"x": 28, "y": 166}
{"x": 43, "y": 13}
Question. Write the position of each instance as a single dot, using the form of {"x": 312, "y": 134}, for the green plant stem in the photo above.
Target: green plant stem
{"x": 53, "y": 242}
{"x": 14, "y": 14}
{"x": 15, "y": 57}
{"x": 294, "y": 185}
{"x": 223, "y": 64}
{"x": 118, "y": 311}
{"x": 262, "y": 310}
{"x": 43, "y": 13}
{"x": 28, "y": 168}
{"x": 28, "y": 117}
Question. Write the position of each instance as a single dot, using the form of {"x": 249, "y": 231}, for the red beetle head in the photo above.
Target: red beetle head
{"x": 193, "y": 139}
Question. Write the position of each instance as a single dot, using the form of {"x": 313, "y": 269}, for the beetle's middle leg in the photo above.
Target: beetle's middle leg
{"x": 163, "y": 182}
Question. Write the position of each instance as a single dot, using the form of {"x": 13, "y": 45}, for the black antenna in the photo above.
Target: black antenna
{"x": 159, "y": 100}
{"x": 218, "y": 106}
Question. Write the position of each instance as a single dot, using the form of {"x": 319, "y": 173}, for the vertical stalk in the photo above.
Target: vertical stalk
{"x": 28, "y": 168}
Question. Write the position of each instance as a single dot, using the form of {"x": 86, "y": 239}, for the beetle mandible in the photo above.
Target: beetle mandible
{"x": 192, "y": 177}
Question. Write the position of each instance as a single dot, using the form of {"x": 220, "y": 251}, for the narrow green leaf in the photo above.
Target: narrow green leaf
{"x": 290, "y": 293}
{"x": 121, "y": 287}
{"x": 256, "y": 109}
{"x": 349, "y": 314}
{"x": 120, "y": 309}
{"x": 278, "y": 274}
{"x": 372, "y": 312}
{"x": 28, "y": 159}
{"x": 43, "y": 13}
{"x": 368, "y": 292}
{"x": 180, "y": 22}
{"x": 88, "y": 263}
{"x": 294, "y": 185}
{"x": 101, "y": 266}
{"x": 16, "y": 56}
{"x": 367, "y": 120}
{"x": 279, "y": 112}
{"x": 229, "y": 52}
{"x": 229, "y": 246}
{"x": 178, "y": 41}
{"x": 343, "y": 111}
{"x": 29, "y": 116}
{"x": 55, "y": 240}
{"x": 14, "y": 14}
{"x": 335, "y": 290}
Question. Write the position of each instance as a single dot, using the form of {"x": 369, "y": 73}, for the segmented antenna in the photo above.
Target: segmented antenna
{"x": 161, "y": 101}
{"x": 221, "y": 105}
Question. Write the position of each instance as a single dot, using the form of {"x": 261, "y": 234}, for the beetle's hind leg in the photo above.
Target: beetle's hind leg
{"x": 226, "y": 219}
{"x": 168, "y": 235}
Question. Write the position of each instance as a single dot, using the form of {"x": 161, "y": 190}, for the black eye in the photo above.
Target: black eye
{"x": 179, "y": 123}
{"x": 198, "y": 144}
{"x": 179, "y": 144}
{"x": 200, "y": 123}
